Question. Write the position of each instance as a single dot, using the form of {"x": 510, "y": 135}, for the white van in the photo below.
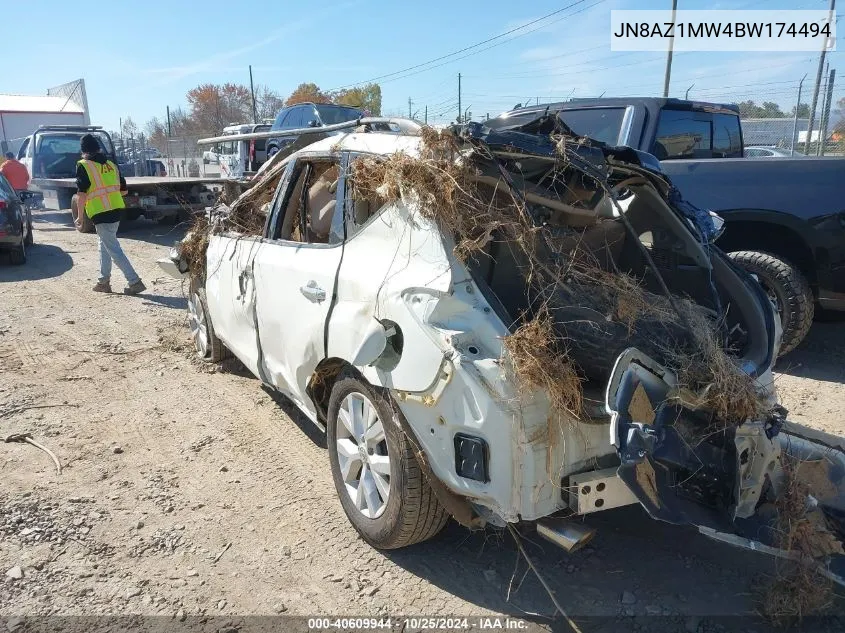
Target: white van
{"x": 241, "y": 158}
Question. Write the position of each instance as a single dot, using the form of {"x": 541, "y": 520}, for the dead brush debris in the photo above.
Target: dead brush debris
{"x": 246, "y": 215}
{"x": 799, "y": 589}
{"x": 444, "y": 184}
{"x": 538, "y": 360}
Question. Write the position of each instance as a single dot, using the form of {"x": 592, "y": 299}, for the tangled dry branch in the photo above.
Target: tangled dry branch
{"x": 563, "y": 268}
{"x": 799, "y": 589}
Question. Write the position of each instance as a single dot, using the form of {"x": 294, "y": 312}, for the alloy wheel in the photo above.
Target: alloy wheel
{"x": 362, "y": 455}
{"x": 196, "y": 321}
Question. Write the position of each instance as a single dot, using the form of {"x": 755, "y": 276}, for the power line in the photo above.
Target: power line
{"x": 393, "y": 76}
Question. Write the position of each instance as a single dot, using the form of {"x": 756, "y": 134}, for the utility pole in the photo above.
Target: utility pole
{"x": 795, "y": 118}
{"x": 409, "y": 108}
{"x": 426, "y": 115}
{"x": 252, "y": 92}
{"x": 460, "y": 112}
{"x": 169, "y": 133}
{"x": 669, "y": 54}
{"x": 826, "y": 110}
{"x": 818, "y": 81}
{"x": 824, "y": 102}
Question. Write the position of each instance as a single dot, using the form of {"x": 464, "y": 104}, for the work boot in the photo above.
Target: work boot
{"x": 102, "y": 286}
{"x": 133, "y": 289}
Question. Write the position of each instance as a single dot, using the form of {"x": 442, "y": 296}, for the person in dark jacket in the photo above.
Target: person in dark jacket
{"x": 100, "y": 187}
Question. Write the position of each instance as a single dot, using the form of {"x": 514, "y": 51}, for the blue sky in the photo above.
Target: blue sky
{"x": 142, "y": 57}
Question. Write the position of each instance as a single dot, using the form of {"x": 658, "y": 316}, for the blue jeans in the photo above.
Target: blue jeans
{"x": 110, "y": 250}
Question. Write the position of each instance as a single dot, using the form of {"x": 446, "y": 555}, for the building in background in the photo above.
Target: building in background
{"x": 20, "y": 115}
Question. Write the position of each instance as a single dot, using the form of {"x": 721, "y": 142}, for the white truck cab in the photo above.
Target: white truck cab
{"x": 240, "y": 158}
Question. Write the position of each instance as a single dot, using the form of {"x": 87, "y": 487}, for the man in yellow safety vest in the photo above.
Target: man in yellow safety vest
{"x": 100, "y": 187}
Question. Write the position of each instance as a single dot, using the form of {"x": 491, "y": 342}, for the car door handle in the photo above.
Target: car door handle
{"x": 313, "y": 292}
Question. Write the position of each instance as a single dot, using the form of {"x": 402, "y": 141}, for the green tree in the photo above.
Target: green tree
{"x": 803, "y": 111}
{"x": 215, "y": 106}
{"x": 308, "y": 92}
{"x": 772, "y": 110}
{"x": 367, "y": 97}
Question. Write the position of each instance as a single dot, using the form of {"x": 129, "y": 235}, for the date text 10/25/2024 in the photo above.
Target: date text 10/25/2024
{"x": 491, "y": 623}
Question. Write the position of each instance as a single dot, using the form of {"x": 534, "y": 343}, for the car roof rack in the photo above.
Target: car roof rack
{"x": 406, "y": 126}
{"x": 41, "y": 128}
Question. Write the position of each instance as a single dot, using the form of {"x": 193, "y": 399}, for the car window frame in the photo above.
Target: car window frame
{"x": 8, "y": 190}
{"x": 275, "y": 220}
{"x": 22, "y": 149}
{"x": 352, "y": 228}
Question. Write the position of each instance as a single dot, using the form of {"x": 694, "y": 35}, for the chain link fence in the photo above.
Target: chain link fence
{"x": 791, "y": 135}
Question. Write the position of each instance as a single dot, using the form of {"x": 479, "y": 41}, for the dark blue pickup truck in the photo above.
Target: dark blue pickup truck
{"x": 785, "y": 217}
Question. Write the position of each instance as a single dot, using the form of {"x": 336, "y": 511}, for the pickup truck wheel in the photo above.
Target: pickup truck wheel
{"x": 789, "y": 290}
{"x": 207, "y": 345}
{"x": 382, "y": 490}
{"x": 81, "y": 220}
{"x": 17, "y": 256}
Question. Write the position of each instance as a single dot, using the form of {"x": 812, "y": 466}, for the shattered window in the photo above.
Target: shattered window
{"x": 682, "y": 134}
{"x": 311, "y": 204}
{"x": 601, "y": 124}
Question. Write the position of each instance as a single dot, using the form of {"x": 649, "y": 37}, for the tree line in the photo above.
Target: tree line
{"x": 211, "y": 107}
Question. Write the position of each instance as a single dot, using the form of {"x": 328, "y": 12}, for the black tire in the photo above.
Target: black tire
{"x": 130, "y": 215}
{"x": 81, "y": 220}
{"x": 215, "y": 351}
{"x": 17, "y": 256}
{"x": 791, "y": 291}
{"x": 29, "y": 240}
{"x": 412, "y": 513}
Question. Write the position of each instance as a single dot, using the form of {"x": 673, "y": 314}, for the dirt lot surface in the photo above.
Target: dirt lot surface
{"x": 189, "y": 491}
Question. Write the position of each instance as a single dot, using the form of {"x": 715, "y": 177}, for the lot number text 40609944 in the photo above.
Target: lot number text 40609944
{"x": 417, "y": 624}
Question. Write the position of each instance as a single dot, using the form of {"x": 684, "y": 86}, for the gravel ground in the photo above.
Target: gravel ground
{"x": 190, "y": 493}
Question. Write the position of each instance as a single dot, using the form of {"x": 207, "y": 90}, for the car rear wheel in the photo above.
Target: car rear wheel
{"x": 29, "y": 240}
{"x": 381, "y": 487}
{"x": 206, "y": 344}
{"x": 787, "y": 288}
{"x": 17, "y": 255}
{"x": 81, "y": 220}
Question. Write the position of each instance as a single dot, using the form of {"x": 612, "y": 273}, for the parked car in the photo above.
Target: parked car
{"x": 770, "y": 152}
{"x": 305, "y": 115}
{"x": 15, "y": 223}
{"x": 361, "y": 313}
{"x": 784, "y": 219}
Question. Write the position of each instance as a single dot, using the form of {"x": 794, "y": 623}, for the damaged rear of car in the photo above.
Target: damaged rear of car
{"x": 504, "y": 326}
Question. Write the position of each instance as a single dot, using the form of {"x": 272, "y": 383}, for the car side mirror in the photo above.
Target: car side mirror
{"x": 718, "y": 226}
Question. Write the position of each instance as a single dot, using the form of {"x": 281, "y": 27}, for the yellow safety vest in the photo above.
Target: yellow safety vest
{"x": 104, "y": 192}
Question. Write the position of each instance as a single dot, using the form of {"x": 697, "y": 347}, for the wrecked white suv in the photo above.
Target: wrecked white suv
{"x": 503, "y": 326}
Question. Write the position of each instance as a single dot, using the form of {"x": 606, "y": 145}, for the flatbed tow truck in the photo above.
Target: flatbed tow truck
{"x": 164, "y": 199}
{"x": 156, "y": 198}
